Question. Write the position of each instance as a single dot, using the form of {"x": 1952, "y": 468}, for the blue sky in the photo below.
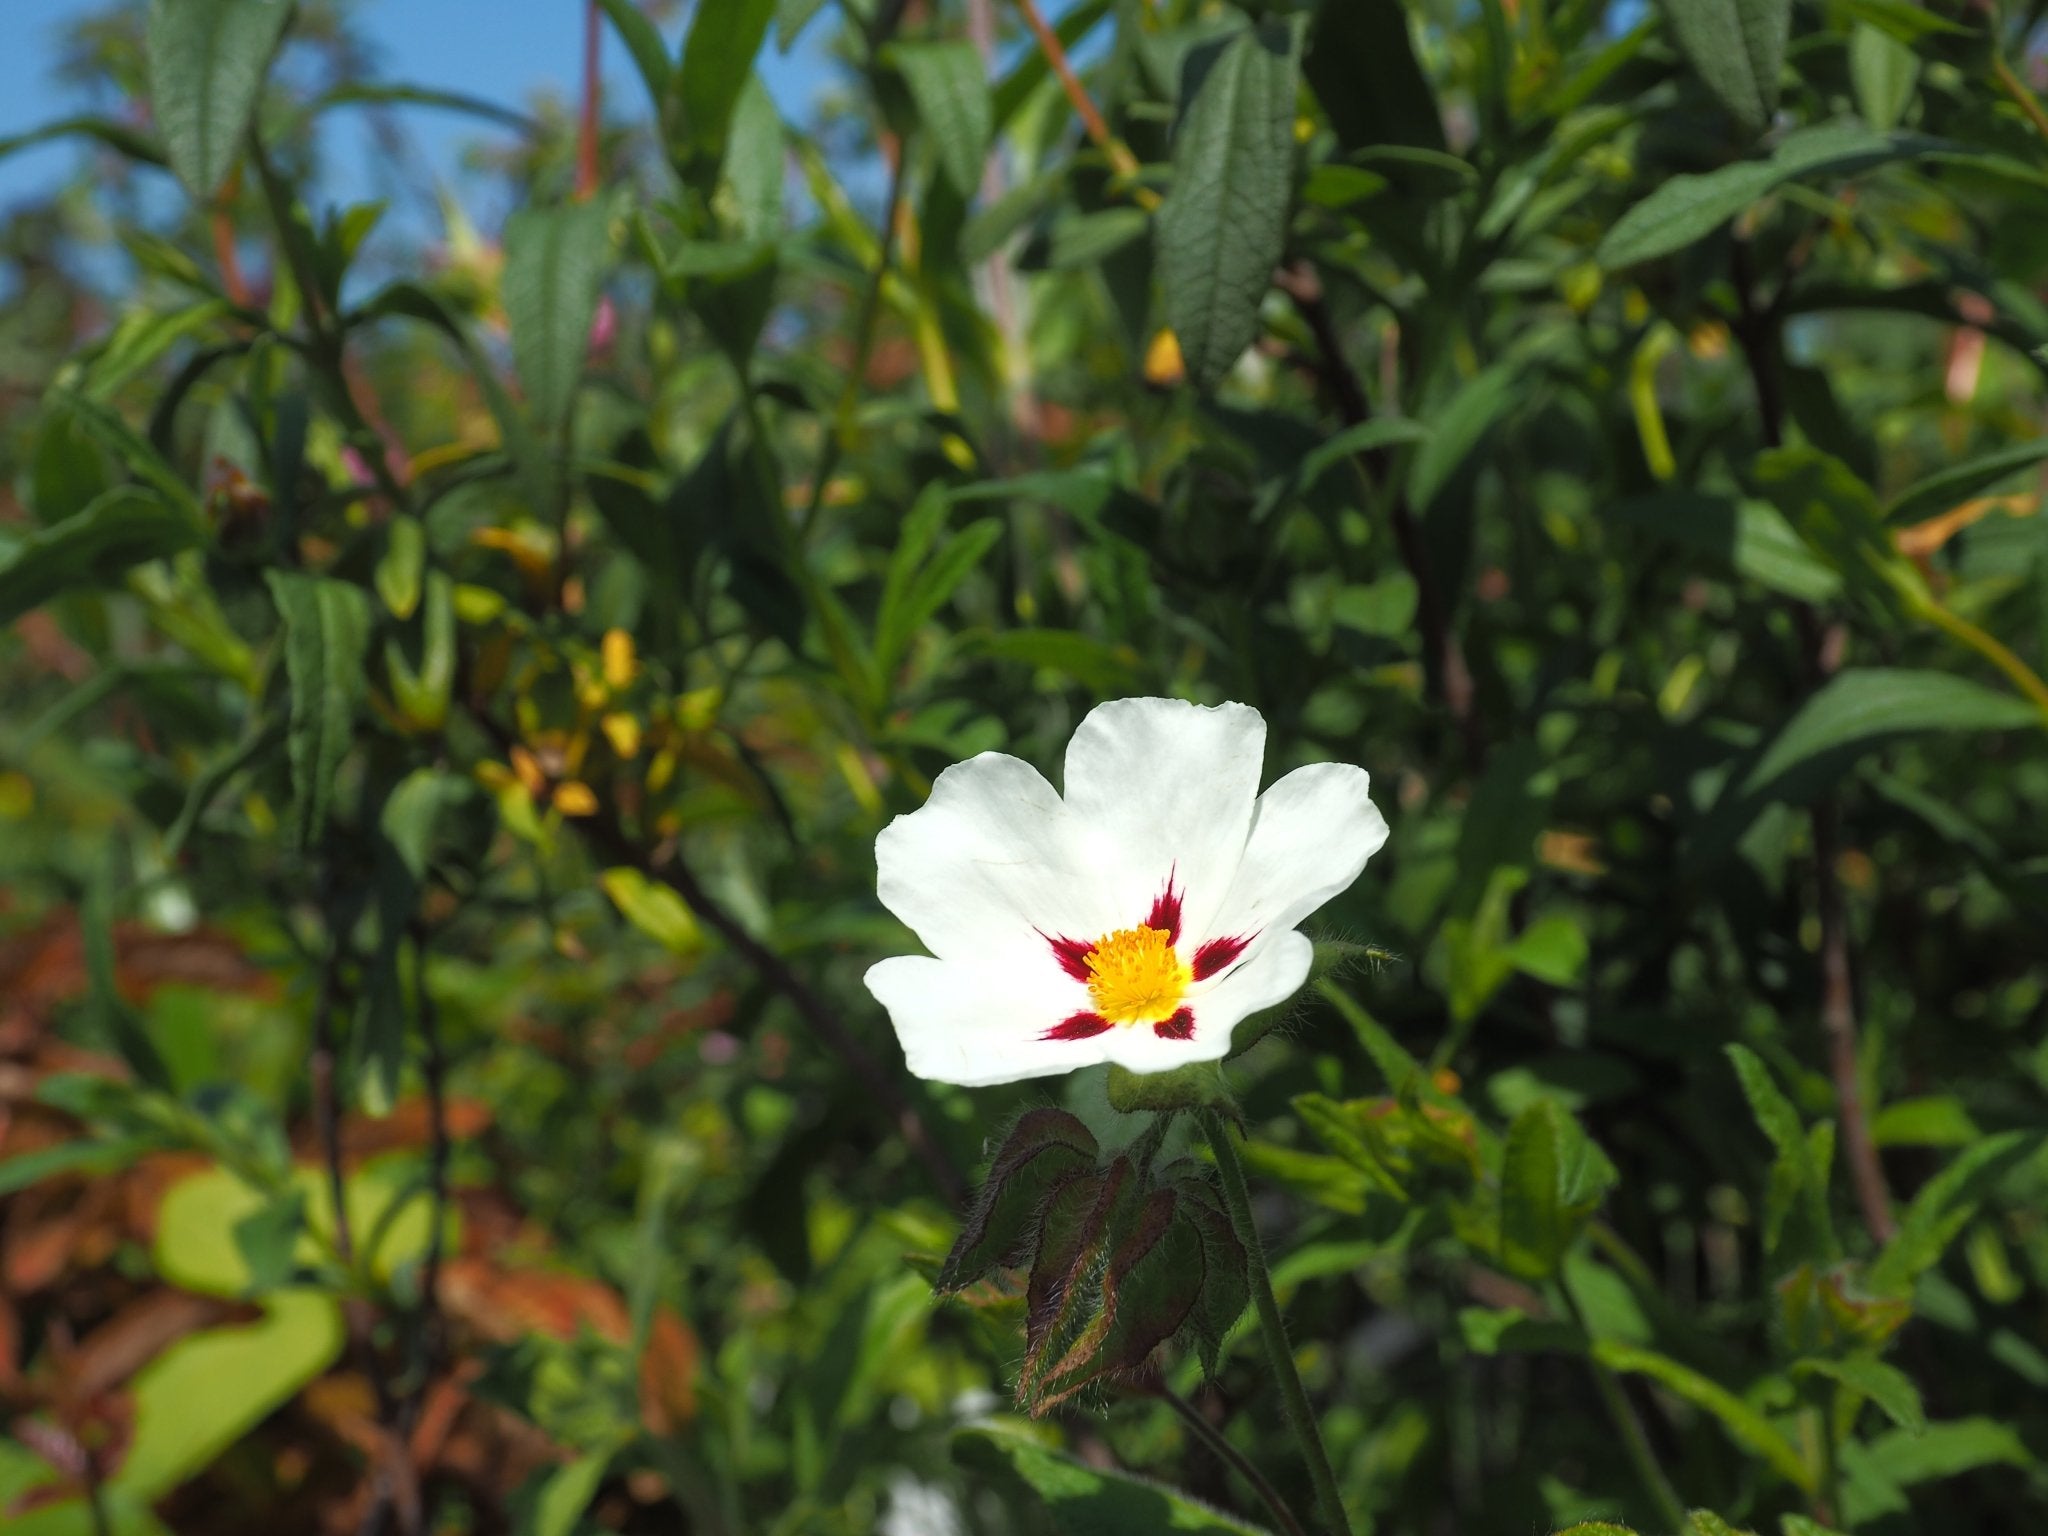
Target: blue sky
{"x": 504, "y": 50}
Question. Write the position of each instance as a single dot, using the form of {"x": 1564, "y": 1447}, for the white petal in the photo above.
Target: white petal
{"x": 991, "y": 856}
{"x": 1159, "y": 787}
{"x": 1311, "y": 835}
{"x": 981, "y": 1024}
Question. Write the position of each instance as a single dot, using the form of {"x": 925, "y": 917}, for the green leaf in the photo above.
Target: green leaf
{"x": 950, "y": 89}
{"x": 1744, "y": 1424}
{"x": 1885, "y": 1385}
{"x": 27, "y": 1169}
{"x": 1085, "y": 1501}
{"x": 928, "y": 591}
{"x": 1774, "y": 1112}
{"x": 718, "y": 57}
{"x": 1945, "y": 1205}
{"x": 1688, "y": 208}
{"x": 1882, "y": 74}
{"x": 398, "y": 573}
{"x": 208, "y": 1390}
{"x": 643, "y": 42}
{"x": 751, "y": 188}
{"x": 1959, "y": 482}
{"x": 206, "y": 64}
{"x": 566, "y": 1494}
{"x": 119, "y": 529}
{"x": 655, "y": 909}
{"x": 1737, "y": 47}
{"x": 1750, "y": 537}
{"x": 116, "y": 136}
{"x": 555, "y": 262}
{"x": 791, "y": 17}
{"x": 1361, "y": 64}
{"x": 1862, "y": 707}
{"x": 1457, "y": 429}
{"x": 267, "y": 1238}
{"x": 1938, "y": 1121}
{"x": 1043, "y": 1148}
{"x": 1552, "y": 1179}
{"x": 1224, "y": 224}
{"x": 1948, "y": 1449}
{"x": 326, "y": 633}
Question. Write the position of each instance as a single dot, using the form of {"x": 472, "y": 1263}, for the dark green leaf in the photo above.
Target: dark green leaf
{"x": 718, "y": 58}
{"x": 950, "y": 89}
{"x": 1738, "y": 48}
{"x": 326, "y": 633}
{"x": 1956, "y": 484}
{"x": 1361, "y": 64}
{"x": 555, "y": 262}
{"x": 1044, "y": 1148}
{"x": 95, "y": 548}
{"x": 1224, "y": 224}
{"x": 1084, "y": 1501}
{"x": 643, "y": 42}
{"x": 206, "y": 64}
{"x": 1885, "y": 1385}
{"x": 1689, "y": 208}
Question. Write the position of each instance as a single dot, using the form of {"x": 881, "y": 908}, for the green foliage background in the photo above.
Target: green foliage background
{"x": 453, "y": 688}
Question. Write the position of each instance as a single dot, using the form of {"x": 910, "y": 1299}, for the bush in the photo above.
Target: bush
{"x": 455, "y": 683}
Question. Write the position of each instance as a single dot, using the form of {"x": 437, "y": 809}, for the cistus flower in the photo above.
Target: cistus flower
{"x": 1135, "y": 920}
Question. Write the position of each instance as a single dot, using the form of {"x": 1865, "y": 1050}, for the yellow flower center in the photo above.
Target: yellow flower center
{"x": 1135, "y": 977}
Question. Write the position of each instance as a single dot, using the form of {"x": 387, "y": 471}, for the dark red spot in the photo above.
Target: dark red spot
{"x": 1215, "y": 955}
{"x": 1180, "y": 1027}
{"x": 1072, "y": 953}
{"x": 1079, "y": 1026}
{"x": 1166, "y": 910}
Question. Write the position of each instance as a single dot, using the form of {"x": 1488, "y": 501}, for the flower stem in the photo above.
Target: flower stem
{"x": 1670, "y": 1508}
{"x": 1232, "y": 1457}
{"x": 1301, "y": 1417}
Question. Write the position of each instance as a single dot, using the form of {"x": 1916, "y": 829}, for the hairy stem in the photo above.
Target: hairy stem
{"x": 1635, "y": 1443}
{"x": 1219, "y": 1444}
{"x": 1301, "y": 1416}
{"x": 1756, "y": 332}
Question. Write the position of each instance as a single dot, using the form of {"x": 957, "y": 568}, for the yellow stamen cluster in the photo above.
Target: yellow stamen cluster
{"x": 1135, "y": 977}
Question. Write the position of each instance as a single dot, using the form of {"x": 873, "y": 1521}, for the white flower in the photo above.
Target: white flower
{"x": 1137, "y": 920}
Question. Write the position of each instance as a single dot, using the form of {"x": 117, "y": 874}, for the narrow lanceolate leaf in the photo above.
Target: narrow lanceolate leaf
{"x": 555, "y": 261}
{"x": 206, "y": 65}
{"x": 326, "y": 632}
{"x": 1689, "y": 208}
{"x": 1882, "y": 74}
{"x": 1223, "y": 226}
{"x": 1885, "y": 1385}
{"x": 1737, "y": 47}
{"x": 1361, "y": 64}
{"x": 1944, "y": 1206}
{"x": 1745, "y": 1424}
{"x": 94, "y": 547}
{"x": 950, "y": 88}
{"x": 1956, "y": 484}
{"x": 1086, "y": 1501}
{"x": 1865, "y": 706}
{"x": 643, "y": 40}
{"x": 718, "y": 55}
